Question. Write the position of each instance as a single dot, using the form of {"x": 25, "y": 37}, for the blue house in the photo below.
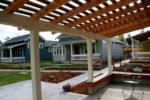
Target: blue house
{"x": 17, "y": 49}
{"x": 74, "y": 49}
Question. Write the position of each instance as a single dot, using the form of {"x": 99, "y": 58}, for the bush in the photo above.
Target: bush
{"x": 67, "y": 87}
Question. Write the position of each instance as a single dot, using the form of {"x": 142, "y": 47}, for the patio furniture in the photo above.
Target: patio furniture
{"x": 134, "y": 79}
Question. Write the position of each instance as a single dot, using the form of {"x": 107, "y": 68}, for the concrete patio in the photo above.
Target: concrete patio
{"x": 50, "y": 91}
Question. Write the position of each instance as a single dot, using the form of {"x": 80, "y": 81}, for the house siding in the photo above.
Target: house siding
{"x": 44, "y": 54}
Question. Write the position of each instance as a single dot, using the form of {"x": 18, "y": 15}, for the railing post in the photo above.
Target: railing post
{"x": 10, "y": 51}
{"x": 132, "y": 48}
{"x": 71, "y": 51}
{"x": 35, "y": 64}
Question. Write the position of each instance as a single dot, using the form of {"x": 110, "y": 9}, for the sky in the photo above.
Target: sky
{"x": 10, "y": 31}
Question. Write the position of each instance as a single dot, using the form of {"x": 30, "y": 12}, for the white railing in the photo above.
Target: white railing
{"x": 141, "y": 55}
{"x": 84, "y": 56}
{"x": 14, "y": 59}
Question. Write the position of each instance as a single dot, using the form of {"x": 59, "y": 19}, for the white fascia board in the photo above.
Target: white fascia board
{"x": 32, "y": 24}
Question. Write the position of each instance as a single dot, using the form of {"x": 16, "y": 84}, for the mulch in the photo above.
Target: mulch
{"x": 57, "y": 77}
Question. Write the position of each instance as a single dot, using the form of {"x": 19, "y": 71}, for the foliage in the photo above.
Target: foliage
{"x": 66, "y": 87}
{"x": 122, "y": 38}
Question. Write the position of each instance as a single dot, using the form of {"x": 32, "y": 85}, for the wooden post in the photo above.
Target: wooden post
{"x": 109, "y": 57}
{"x": 35, "y": 65}
{"x": 90, "y": 60}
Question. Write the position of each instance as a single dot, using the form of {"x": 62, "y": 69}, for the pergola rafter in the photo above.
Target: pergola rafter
{"x": 14, "y": 6}
{"x": 119, "y": 21}
{"x": 77, "y": 10}
{"x": 49, "y": 8}
{"x": 111, "y": 16}
{"x": 100, "y": 12}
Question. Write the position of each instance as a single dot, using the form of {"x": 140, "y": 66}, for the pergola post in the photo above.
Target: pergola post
{"x": 10, "y": 52}
{"x": 90, "y": 60}
{"x": 35, "y": 65}
{"x": 109, "y": 56}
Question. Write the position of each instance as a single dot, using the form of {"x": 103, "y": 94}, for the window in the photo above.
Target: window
{"x": 28, "y": 45}
{"x": 50, "y": 49}
{"x": 18, "y": 52}
{"x": 41, "y": 45}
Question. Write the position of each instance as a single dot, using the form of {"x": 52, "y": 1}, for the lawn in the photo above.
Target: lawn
{"x": 23, "y": 65}
{"x": 9, "y": 77}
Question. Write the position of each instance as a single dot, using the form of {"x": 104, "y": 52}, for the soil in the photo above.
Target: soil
{"x": 57, "y": 77}
{"x": 80, "y": 88}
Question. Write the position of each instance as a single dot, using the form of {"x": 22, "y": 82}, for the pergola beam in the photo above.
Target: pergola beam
{"x": 130, "y": 28}
{"x": 110, "y": 24}
{"x": 30, "y": 24}
{"x": 14, "y": 6}
{"x": 100, "y": 12}
{"x": 77, "y": 10}
{"x": 110, "y": 16}
{"x": 118, "y": 22}
{"x": 126, "y": 25}
{"x": 49, "y": 8}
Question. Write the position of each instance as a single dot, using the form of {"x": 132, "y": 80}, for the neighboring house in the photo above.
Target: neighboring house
{"x": 73, "y": 49}
{"x": 17, "y": 49}
{"x": 140, "y": 46}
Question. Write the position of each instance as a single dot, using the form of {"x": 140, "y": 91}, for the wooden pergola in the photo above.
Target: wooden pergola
{"x": 90, "y": 19}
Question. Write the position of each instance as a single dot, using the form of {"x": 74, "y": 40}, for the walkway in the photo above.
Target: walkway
{"x": 50, "y": 91}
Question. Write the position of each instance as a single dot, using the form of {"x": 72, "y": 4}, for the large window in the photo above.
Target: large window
{"x": 58, "y": 50}
{"x": 18, "y": 52}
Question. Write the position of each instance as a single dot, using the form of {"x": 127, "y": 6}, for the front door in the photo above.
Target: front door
{"x": 76, "y": 49}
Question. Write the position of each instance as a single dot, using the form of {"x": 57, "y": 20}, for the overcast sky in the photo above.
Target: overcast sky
{"x": 9, "y": 31}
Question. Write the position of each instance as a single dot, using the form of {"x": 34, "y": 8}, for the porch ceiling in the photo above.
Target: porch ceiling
{"x": 101, "y": 17}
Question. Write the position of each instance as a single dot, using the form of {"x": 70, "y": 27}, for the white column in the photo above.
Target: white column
{"x": 109, "y": 56}
{"x": 62, "y": 53}
{"x": 35, "y": 65}
{"x": 71, "y": 51}
{"x": 10, "y": 52}
{"x": 90, "y": 60}
{"x": 132, "y": 48}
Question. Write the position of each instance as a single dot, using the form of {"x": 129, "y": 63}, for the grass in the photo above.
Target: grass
{"x": 9, "y": 77}
{"x": 13, "y": 77}
{"x": 27, "y": 65}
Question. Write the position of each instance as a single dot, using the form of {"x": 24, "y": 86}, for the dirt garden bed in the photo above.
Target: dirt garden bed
{"x": 57, "y": 77}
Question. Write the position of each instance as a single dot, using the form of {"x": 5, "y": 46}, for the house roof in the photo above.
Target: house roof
{"x": 63, "y": 36}
{"x": 49, "y": 43}
{"x": 17, "y": 39}
{"x": 104, "y": 17}
{"x": 20, "y": 38}
{"x": 140, "y": 37}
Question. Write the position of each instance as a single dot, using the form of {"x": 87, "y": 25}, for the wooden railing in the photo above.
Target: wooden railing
{"x": 141, "y": 55}
{"x": 84, "y": 56}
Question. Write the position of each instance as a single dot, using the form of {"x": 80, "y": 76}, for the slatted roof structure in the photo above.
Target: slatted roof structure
{"x": 105, "y": 17}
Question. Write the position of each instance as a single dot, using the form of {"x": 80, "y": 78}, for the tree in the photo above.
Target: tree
{"x": 7, "y": 38}
{"x": 122, "y": 38}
